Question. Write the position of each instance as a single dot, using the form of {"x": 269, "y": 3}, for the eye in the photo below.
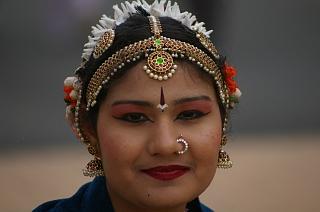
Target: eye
{"x": 134, "y": 117}
{"x": 190, "y": 115}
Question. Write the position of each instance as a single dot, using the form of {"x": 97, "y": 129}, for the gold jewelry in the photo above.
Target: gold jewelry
{"x": 205, "y": 41}
{"x": 94, "y": 167}
{"x": 104, "y": 43}
{"x": 224, "y": 159}
{"x": 185, "y": 145}
{"x": 134, "y": 52}
{"x": 159, "y": 63}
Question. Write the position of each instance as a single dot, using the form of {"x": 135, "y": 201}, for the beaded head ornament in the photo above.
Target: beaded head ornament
{"x": 159, "y": 53}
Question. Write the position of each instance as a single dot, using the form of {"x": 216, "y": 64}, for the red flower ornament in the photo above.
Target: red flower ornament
{"x": 229, "y": 73}
{"x": 70, "y": 92}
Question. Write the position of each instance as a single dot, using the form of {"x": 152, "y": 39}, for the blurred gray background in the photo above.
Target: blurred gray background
{"x": 275, "y": 130}
{"x": 274, "y": 45}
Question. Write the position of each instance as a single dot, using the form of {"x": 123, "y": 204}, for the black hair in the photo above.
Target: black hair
{"x": 134, "y": 29}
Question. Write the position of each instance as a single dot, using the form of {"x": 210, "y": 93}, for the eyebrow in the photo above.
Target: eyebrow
{"x": 148, "y": 104}
{"x": 191, "y": 99}
{"x": 135, "y": 102}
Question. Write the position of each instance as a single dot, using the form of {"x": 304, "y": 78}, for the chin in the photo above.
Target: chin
{"x": 168, "y": 196}
{"x": 165, "y": 200}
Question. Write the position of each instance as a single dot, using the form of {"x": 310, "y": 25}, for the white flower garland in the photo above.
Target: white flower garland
{"x": 158, "y": 9}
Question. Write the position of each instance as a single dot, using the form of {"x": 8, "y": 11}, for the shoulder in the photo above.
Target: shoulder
{"x": 69, "y": 204}
{"x": 91, "y": 196}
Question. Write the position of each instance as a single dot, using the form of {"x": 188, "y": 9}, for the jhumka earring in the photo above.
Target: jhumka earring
{"x": 94, "y": 168}
{"x": 184, "y": 143}
{"x": 224, "y": 159}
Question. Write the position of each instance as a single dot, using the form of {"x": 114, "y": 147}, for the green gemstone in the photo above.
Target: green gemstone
{"x": 160, "y": 61}
{"x": 157, "y": 42}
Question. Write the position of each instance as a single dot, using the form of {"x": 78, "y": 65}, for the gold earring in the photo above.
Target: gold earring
{"x": 94, "y": 168}
{"x": 224, "y": 159}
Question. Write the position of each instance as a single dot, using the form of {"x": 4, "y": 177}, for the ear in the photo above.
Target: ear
{"x": 90, "y": 133}
{"x": 87, "y": 129}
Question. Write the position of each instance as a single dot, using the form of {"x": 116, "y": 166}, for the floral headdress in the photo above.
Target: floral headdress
{"x": 159, "y": 52}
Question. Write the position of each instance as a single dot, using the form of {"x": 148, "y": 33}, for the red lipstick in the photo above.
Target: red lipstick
{"x": 166, "y": 173}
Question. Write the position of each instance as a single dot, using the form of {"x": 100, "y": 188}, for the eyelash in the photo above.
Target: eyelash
{"x": 132, "y": 117}
{"x": 196, "y": 114}
{"x": 126, "y": 117}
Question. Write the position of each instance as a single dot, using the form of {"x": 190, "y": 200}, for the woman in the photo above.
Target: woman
{"x": 150, "y": 101}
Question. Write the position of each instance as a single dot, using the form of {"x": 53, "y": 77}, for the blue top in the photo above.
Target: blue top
{"x": 93, "y": 197}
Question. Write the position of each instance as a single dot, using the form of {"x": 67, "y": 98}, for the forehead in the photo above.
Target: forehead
{"x": 136, "y": 84}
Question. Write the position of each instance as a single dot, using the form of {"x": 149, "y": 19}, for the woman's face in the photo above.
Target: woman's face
{"x": 138, "y": 142}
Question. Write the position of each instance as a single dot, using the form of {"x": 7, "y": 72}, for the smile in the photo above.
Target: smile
{"x": 166, "y": 173}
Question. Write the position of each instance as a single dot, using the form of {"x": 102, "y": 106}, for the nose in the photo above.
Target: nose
{"x": 163, "y": 139}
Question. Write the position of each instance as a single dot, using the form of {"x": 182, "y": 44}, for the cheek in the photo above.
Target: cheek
{"x": 209, "y": 135}
{"x": 119, "y": 148}
{"x": 206, "y": 147}
{"x": 113, "y": 145}
{"x": 204, "y": 151}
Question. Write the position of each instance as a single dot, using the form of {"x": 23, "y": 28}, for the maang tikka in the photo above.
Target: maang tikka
{"x": 160, "y": 65}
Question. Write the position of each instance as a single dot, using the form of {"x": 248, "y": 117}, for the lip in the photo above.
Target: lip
{"x": 166, "y": 173}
